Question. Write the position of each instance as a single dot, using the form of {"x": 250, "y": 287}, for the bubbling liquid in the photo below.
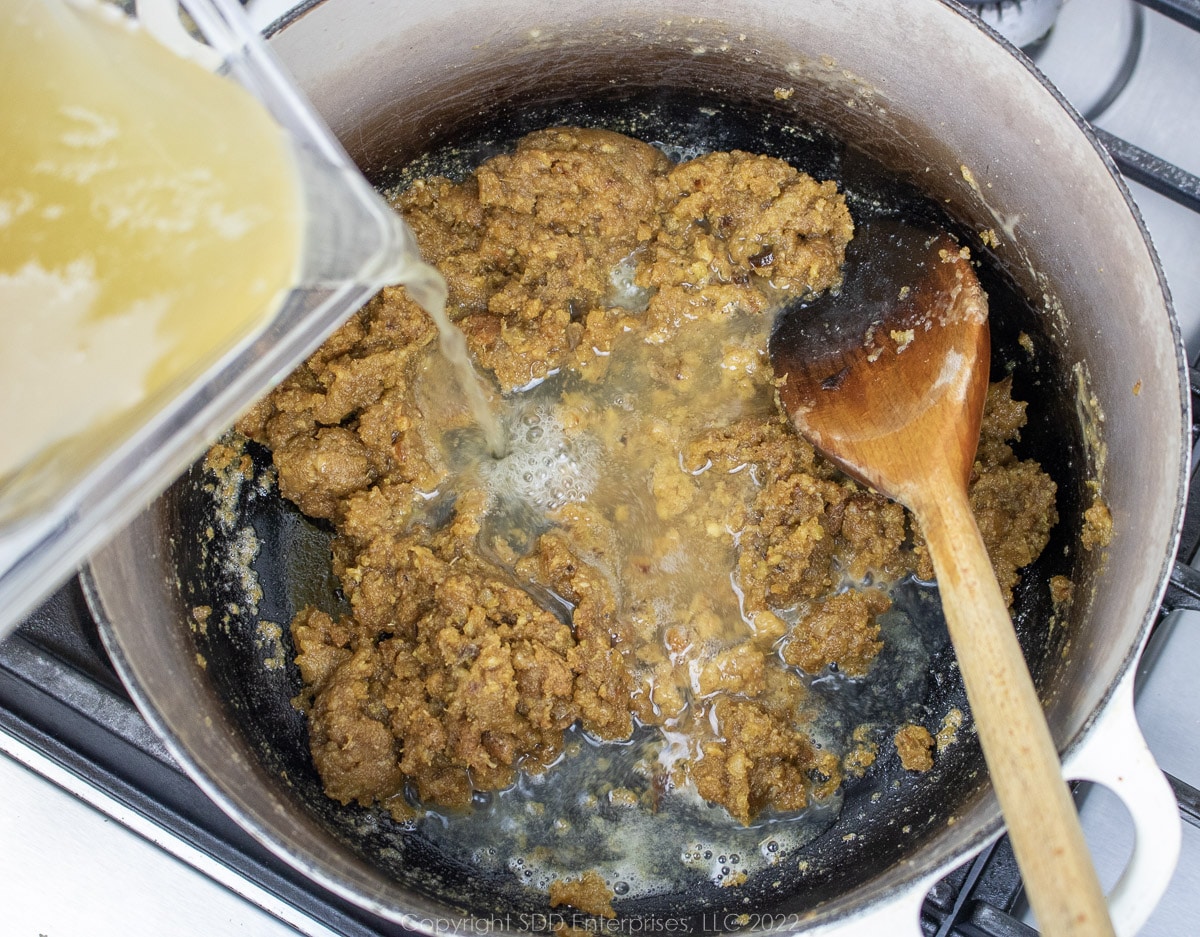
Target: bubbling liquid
{"x": 544, "y": 468}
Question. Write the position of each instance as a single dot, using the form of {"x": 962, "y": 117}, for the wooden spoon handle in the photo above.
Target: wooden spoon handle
{"x": 1043, "y": 825}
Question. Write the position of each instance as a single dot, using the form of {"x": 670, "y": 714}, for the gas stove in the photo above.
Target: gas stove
{"x": 103, "y": 833}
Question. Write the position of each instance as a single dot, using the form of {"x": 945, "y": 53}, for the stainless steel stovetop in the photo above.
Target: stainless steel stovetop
{"x": 101, "y": 834}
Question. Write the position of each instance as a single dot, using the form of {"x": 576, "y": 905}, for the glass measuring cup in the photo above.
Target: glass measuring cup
{"x": 65, "y": 499}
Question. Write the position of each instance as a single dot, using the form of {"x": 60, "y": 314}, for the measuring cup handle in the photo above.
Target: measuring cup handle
{"x": 1116, "y": 756}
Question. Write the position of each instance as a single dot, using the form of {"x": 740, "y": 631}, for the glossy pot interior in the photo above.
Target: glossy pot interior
{"x": 976, "y": 131}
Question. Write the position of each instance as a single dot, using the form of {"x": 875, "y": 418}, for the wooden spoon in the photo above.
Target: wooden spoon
{"x": 888, "y": 379}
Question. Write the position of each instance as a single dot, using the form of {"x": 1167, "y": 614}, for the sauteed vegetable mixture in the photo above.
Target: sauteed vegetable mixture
{"x": 658, "y": 549}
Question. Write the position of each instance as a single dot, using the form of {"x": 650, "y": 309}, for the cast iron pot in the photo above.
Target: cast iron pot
{"x": 924, "y": 90}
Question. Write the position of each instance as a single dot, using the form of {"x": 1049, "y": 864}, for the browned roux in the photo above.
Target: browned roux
{"x": 658, "y": 550}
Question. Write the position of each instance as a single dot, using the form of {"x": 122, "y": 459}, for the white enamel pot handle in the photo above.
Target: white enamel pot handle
{"x": 1114, "y": 755}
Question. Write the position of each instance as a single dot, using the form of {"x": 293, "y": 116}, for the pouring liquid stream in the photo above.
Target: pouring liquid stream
{"x": 138, "y": 242}
{"x": 428, "y": 288}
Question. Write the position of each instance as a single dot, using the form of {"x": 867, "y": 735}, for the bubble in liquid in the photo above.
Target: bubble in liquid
{"x": 623, "y": 291}
{"x": 545, "y": 468}
{"x": 620, "y": 888}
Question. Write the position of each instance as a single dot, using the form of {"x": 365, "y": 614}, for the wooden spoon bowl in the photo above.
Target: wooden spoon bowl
{"x": 888, "y": 378}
